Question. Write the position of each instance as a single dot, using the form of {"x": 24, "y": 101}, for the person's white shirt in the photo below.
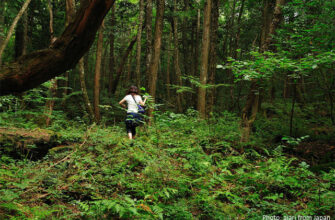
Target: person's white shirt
{"x": 131, "y": 104}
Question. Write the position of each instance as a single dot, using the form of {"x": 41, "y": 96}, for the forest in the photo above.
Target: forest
{"x": 239, "y": 99}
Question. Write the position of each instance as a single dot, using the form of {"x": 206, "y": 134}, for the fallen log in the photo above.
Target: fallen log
{"x": 26, "y": 143}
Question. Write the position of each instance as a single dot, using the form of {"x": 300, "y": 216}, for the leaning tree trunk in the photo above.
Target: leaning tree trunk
{"x": 97, "y": 75}
{"x": 204, "y": 59}
{"x": 11, "y": 29}
{"x": 122, "y": 64}
{"x": 33, "y": 69}
{"x": 153, "y": 70}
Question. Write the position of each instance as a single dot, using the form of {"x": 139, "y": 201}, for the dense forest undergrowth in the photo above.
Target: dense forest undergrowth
{"x": 180, "y": 167}
{"x": 260, "y": 74}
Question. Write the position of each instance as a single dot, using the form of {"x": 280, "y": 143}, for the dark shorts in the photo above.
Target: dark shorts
{"x": 132, "y": 121}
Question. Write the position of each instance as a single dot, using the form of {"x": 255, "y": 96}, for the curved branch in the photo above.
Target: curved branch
{"x": 33, "y": 69}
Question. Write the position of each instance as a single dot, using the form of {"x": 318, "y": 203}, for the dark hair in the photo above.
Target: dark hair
{"x": 133, "y": 89}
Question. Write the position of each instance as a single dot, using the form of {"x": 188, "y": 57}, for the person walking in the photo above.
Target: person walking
{"x": 134, "y": 106}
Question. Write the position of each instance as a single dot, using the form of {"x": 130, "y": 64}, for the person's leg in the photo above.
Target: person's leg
{"x": 129, "y": 130}
{"x": 133, "y": 131}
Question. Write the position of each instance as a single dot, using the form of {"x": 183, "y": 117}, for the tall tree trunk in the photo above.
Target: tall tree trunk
{"x": 49, "y": 105}
{"x": 112, "y": 62}
{"x": 168, "y": 81}
{"x": 212, "y": 52}
{"x": 231, "y": 29}
{"x": 204, "y": 59}
{"x": 33, "y": 69}
{"x": 148, "y": 29}
{"x": 25, "y": 32}
{"x": 21, "y": 36}
{"x": 139, "y": 40}
{"x": 252, "y": 105}
{"x": 176, "y": 55}
{"x": 238, "y": 30}
{"x": 195, "y": 58}
{"x": 70, "y": 12}
{"x": 153, "y": 70}
{"x": 97, "y": 75}
{"x": 11, "y": 29}
{"x": 87, "y": 102}
{"x": 184, "y": 31}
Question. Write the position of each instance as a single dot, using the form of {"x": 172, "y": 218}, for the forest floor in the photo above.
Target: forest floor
{"x": 178, "y": 168}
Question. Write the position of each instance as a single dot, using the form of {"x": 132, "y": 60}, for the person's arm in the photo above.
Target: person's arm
{"x": 143, "y": 102}
{"x": 122, "y": 103}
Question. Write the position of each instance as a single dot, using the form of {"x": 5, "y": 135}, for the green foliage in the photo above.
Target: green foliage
{"x": 181, "y": 167}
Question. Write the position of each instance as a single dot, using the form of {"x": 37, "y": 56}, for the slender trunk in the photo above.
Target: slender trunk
{"x": 212, "y": 52}
{"x": 157, "y": 50}
{"x": 139, "y": 40}
{"x": 204, "y": 59}
{"x": 292, "y": 107}
{"x": 112, "y": 62}
{"x": 176, "y": 55}
{"x": 238, "y": 31}
{"x": 232, "y": 29}
{"x": 196, "y": 43}
{"x": 97, "y": 75}
{"x": 87, "y": 102}
{"x": 148, "y": 29}
{"x": 49, "y": 105}
{"x": 286, "y": 88}
{"x": 70, "y": 12}
{"x": 331, "y": 104}
{"x": 277, "y": 18}
{"x": 11, "y": 29}
{"x": 21, "y": 36}
{"x": 25, "y": 32}
{"x": 168, "y": 68}
{"x": 184, "y": 32}
{"x": 122, "y": 64}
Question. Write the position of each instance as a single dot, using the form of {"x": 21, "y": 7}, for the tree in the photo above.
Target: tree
{"x": 97, "y": 75}
{"x": 139, "y": 40}
{"x": 33, "y": 69}
{"x": 204, "y": 59}
{"x": 176, "y": 55}
{"x": 153, "y": 70}
{"x": 148, "y": 29}
{"x": 251, "y": 107}
{"x": 11, "y": 29}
